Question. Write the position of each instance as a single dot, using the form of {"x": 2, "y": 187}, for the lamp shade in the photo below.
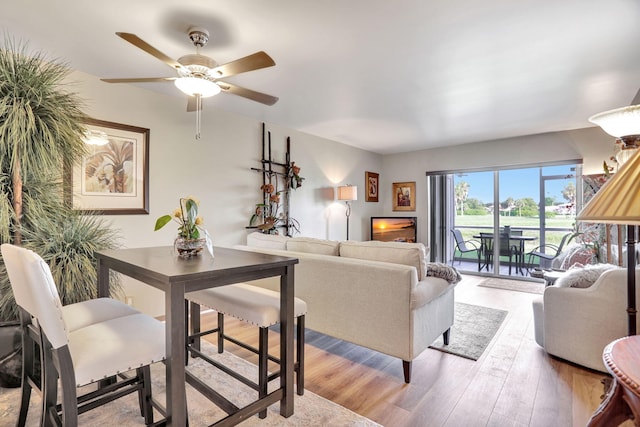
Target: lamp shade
{"x": 618, "y": 201}
{"x": 197, "y": 86}
{"x": 620, "y": 122}
{"x": 348, "y": 192}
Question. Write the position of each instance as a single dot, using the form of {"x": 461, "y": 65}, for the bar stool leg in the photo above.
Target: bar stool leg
{"x": 220, "y": 332}
{"x": 263, "y": 359}
{"x": 300, "y": 355}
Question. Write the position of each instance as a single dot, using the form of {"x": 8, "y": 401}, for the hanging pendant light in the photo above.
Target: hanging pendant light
{"x": 624, "y": 124}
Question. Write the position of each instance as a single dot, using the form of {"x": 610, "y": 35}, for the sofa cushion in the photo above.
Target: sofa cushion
{"x": 581, "y": 276}
{"x": 314, "y": 246}
{"x": 414, "y": 254}
{"x": 267, "y": 241}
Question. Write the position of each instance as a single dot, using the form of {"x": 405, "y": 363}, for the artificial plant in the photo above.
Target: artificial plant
{"x": 41, "y": 137}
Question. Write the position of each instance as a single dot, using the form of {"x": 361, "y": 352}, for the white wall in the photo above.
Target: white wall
{"x": 590, "y": 144}
{"x": 217, "y": 170}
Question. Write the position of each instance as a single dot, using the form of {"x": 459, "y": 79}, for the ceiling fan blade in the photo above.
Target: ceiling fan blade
{"x": 140, "y": 80}
{"x": 141, "y": 44}
{"x": 262, "y": 98}
{"x": 252, "y": 62}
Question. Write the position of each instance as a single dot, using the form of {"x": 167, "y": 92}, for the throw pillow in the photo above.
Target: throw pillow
{"x": 582, "y": 276}
{"x": 314, "y": 246}
{"x": 443, "y": 271}
{"x": 577, "y": 255}
{"x": 413, "y": 254}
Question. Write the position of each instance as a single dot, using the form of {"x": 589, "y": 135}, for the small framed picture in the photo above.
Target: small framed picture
{"x": 371, "y": 182}
{"x": 113, "y": 177}
{"x": 404, "y": 196}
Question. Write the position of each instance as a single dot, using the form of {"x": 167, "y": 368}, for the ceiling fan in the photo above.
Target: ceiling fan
{"x": 199, "y": 75}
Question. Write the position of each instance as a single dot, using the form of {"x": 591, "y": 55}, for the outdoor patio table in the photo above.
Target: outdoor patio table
{"x": 521, "y": 241}
{"x": 161, "y": 268}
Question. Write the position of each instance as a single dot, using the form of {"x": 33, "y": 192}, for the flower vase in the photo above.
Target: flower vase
{"x": 187, "y": 248}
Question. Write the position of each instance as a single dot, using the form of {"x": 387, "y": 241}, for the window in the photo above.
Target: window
{"x": 536, "y": 205}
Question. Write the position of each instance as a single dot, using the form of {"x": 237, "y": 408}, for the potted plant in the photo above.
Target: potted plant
{"x": 41, "y": 131}
{"x": 189, "y": 241}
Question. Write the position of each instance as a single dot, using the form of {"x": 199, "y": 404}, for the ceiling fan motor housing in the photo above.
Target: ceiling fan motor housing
{"x": 198, "y": 65}
{"x": 199, "y": 36}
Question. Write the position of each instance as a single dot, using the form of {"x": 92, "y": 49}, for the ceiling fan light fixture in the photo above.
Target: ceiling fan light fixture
{"x": 620, "y": 122}
{"x": 197, "y": 86}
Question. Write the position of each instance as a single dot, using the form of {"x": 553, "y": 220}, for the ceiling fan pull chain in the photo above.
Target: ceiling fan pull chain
{"x": 198, "y": 114}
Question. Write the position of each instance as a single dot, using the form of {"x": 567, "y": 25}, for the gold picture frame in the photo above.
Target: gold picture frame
{"x": 404, "y": 196}
{"x": 372, "y": 185}
{"x": 112, "y": 179}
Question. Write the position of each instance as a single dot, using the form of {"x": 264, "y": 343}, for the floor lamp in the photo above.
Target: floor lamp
{"x": 618, "y": 201}
{"x": 348, "y": 193}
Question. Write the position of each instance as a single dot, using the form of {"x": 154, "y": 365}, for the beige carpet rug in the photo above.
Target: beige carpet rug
{"x": 473, "y": 329}
{"x": 513, "y": 285}
{"x": 309, "y": 409}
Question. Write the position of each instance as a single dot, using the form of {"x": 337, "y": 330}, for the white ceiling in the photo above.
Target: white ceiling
{"x": 387, "y": 76}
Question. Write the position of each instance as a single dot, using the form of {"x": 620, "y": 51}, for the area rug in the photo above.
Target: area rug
{"x": 309, "y": 409}
{"x": 473, "y": 329}
{"x": 514, "y": 285}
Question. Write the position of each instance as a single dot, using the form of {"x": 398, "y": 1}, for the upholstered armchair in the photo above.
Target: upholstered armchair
{"x": 576, "y": 323}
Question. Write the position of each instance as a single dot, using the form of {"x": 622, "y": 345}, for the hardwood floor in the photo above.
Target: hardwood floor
{"x": 514, "y": 383}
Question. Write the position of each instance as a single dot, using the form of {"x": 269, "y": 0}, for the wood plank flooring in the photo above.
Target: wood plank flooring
{"x": 514, "y": 383}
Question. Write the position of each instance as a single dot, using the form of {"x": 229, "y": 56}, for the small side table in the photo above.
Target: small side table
{"x": 623, "y": 399}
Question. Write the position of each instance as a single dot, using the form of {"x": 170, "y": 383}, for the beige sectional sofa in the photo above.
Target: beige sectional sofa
{"x": 380, "y": 295}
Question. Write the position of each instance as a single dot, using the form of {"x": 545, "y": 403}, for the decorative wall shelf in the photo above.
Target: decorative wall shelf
{"x": 273, "y": 213}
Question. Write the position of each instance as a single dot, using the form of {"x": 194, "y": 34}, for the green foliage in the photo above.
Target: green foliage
{"x": 187, "y": 218}
{"x": 67, "y": 241}
{"x": 475, "y": 211}
{"x": 474, "y": 203}
{"x": 461, "y": 192}
{"x": 41, "y": 130}
{"x": 161, "y": 222}
{"x": 40, "y": 124}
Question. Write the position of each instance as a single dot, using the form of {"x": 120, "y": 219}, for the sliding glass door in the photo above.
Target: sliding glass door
{"x": 473, "y": 202}
{"x": 495, "y": 218}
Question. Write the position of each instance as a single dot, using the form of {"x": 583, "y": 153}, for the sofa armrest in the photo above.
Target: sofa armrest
{"x": 579, "y": 323}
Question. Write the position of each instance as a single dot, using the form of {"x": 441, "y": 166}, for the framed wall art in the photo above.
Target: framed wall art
{"x": 404, "y": 196}
{"x": 371, "y": 180}
{"x": 113, "y": 177}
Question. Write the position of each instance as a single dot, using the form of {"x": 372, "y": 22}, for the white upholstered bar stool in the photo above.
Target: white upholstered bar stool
{"x": 95, "y": 347}
{"x": 258, "y": 306}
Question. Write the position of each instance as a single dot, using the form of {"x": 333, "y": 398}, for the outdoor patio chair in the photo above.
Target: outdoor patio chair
{"x": 547, "y": 252}
{"x": 506, "y": 249}
{"x": 464, "y": 246}
{"x": 518, "y": 249}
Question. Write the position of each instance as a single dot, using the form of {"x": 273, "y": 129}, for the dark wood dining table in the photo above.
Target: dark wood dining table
{"x": 161, "y": 268}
